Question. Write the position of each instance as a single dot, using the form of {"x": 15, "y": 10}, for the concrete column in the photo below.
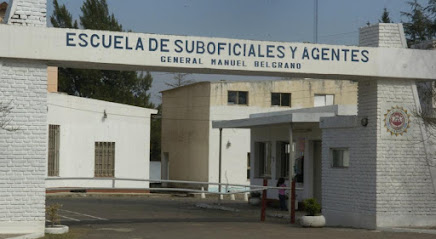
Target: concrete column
{"x": 388, "y": 182}
{"x": 23, "y": 156}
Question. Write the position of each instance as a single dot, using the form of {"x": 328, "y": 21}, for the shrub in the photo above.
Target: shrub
{"x": 255, "y": 194}
{"x": 312, "y": 207}
{"x": 52, "y": 214}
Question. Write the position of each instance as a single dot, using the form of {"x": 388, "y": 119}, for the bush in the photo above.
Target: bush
{"x": 52, "y": 214}
{"x": 312, "y": 207}
{"x": 255, "y": 194}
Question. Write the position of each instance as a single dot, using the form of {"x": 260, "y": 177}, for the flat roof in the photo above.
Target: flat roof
{"x": 303, "y": 115}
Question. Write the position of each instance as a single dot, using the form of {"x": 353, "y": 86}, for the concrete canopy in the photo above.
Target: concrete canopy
{"x": 306, "y": 115}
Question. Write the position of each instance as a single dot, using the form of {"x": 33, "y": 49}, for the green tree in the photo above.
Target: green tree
{"x": 96, "y": 16}
{"x": 127, "y": 87}
{"x": 419, "y": 28}
{"x": 385, "y": 17}
{"x": 431, "y": 9}
{"x": 61, "y": 17}
{"x": 179, "y": 79}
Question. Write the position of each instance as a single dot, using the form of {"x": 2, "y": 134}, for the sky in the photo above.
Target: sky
{"x": 271, "y": 20}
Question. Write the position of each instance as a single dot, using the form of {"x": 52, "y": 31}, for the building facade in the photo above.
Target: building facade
{"x": 190, "y": 146}
{"x": 98, "y": 140}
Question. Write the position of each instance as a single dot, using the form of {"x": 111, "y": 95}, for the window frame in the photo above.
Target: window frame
{"x": 345, "y": 156}
{"x": 53, "y": 156}
{"x": 325, "y": 99}
{"x": 237, "y": 101}
{"x": 105, "y": 168}
{"x": 281, "y": 99}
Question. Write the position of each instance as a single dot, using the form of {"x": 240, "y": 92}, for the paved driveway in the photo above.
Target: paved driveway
{"x": 173, "y": 217}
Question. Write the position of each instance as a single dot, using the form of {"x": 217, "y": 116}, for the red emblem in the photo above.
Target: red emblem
{"x": 397, "y": 121}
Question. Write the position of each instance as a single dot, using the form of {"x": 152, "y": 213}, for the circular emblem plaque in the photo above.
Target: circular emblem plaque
{"x": 397, "y": 121}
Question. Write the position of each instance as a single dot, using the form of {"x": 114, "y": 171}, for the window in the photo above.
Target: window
{"x": 104, "y": 159}
{"x": 53, "y": 150}
{"x": 237, "y": 97}
{"x": 323, "y": 100}
{"x": 263, "y": 159}
{"x": 340, "y": 157}
{"x": 283, "y": 151}
{"x": 281, "y": 99}
{"x": 248, "y": 166}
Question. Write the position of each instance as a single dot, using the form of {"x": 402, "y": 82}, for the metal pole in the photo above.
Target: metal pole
{"x": 316, "y": 22}
{"x": 219, "y": 164}
{"x": 262, "y": 212}
{"x": 291, "y": 202}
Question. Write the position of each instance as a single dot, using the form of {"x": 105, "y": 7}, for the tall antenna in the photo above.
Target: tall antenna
{"x": 315, "y": 34}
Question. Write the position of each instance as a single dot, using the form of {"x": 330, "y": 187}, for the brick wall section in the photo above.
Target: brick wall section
{"x": 28, "y": 13}
{"x": 389, "y": 181}
{"x": 405, "y": 193}
{"x": 383, "y": 35}
{"x": 23, "y": 157}
{"x": 349, "y": 194}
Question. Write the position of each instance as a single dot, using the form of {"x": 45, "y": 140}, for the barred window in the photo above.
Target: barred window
{"x": 53, "y": 150}
{"x": 104, "y": 159}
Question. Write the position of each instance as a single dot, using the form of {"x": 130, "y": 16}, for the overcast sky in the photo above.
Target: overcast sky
{"x": 271, "y": 20}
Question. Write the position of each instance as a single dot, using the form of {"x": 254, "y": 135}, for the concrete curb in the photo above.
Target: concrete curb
{"x": 411, "y": 230}
{"x": 94, "y": 194}
{"x": 28, "y": 236}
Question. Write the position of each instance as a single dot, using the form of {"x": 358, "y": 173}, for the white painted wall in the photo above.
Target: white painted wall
{"x": 155, "y": 170}
{"x": 24, "y": 152}
{"x": 389, "y": 181}
{"x": 82, "y": 124}
{"x": 235, "y": 144}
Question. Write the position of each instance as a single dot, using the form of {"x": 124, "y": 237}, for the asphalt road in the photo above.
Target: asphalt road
{"x": 172, "y": 217}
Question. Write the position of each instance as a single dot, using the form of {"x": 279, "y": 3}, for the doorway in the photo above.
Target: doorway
{"x": 317, "y": 171}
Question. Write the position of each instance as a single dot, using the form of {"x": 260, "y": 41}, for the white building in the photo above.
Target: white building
{"x": 271, "y": 151}
{"x": 394, "y": 174}
{"x": 190, "y": 145}
{"x": 97, "y": 139}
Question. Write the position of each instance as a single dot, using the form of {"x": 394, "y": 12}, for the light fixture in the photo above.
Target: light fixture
{"x": 364, "y": 122}
{"x": 228, "y": 144}
{"x": 104, "y": 114}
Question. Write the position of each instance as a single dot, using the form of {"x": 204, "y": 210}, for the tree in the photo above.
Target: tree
{"x": 95, "y": 16}
{"x": 179, "y": 79}
{"x": 431, "y": 9}
{"x": 385, "y": 17}
{"x": 419, "y": 28}
{"x": 5, "y": 120}
{"x": 127, "y": 87}
{"x": 61, "y": 17}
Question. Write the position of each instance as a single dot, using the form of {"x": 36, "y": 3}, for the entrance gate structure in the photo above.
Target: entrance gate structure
{"x": 395, "y": 186}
